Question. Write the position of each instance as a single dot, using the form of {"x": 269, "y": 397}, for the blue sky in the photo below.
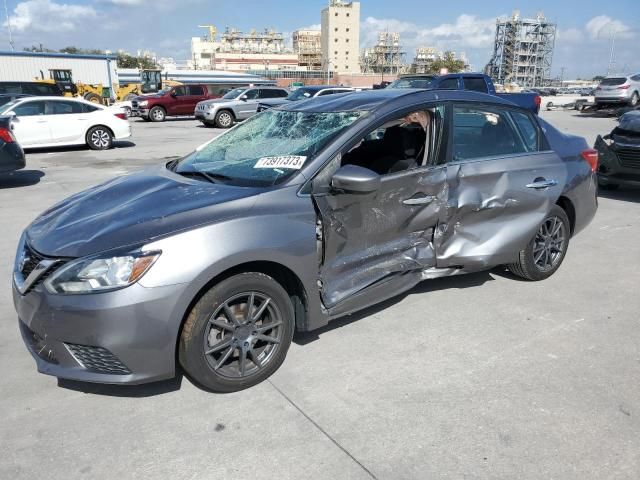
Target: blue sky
{"x": 166, "y": 26}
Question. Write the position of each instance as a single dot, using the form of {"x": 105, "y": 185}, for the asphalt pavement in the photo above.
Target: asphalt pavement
{"x": 472, "y": 377}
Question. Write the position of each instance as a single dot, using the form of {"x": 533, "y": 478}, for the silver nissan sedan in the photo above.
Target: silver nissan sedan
{"x": 300, "y": 215}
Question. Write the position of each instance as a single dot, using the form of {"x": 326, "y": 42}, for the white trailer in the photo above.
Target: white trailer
{"x": 28, "y": 66}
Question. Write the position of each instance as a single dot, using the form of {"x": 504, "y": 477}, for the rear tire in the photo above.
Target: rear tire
{"x": 224, "y": 119}
{"x": 226, "y": 346}
{"x": 545, "y": 252}
{"x": 99, "y": 138}
{"x": 93, "y": 98}
{"x": 157, "y": 114}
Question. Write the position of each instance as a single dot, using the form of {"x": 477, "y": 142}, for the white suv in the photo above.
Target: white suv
{"x": 619, "y": 89}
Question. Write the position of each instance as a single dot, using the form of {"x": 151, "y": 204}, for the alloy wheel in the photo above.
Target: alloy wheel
{"x": 224, "y": 119}
{"x": 243, "y": 335}
{"x": 549, "y": 244}
{"x": 100, "y": 138}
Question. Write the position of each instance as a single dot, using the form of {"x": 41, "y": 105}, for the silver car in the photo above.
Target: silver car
{"x": 238, "y": 104}
{"x": 619, "y": 89}
{"x": 300, "y": 215}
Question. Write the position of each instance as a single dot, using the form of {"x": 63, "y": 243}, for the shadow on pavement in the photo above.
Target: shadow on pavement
{"x": 20, "y": 178}
{"x": 130, "y": 391}
{"x": 445, "y": 283}
{"x": 79, "y": 148}
{"x": 623, "y": 194}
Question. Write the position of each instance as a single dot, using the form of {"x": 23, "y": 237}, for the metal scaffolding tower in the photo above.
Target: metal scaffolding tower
{"x": 388, "y": 56}
{"x": 523, "y": 51}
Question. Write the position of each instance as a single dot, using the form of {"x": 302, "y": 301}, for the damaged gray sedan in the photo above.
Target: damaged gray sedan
{"x": 298, "y": 216}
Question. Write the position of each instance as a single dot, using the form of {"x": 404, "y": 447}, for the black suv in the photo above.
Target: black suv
{"x": 30, "y": 88}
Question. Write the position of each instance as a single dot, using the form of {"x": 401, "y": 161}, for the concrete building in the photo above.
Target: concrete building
{"x": 341, "y": 36}
{"x": 308, "y": 45}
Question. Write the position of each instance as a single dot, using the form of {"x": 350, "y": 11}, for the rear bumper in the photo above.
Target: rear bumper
{"x": 11, "y": 157}
{"x": 123, "y": 337}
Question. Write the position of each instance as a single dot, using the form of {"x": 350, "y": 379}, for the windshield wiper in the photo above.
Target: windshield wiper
{"x": 211, "y": 177}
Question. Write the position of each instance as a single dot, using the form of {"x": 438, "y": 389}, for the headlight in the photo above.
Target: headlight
{"x": 100, "y": 274}
{"x": 143, "y": 103}
{"x": 209, "y": 106}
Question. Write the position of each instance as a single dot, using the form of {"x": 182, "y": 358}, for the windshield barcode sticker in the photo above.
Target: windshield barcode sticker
{"x": 293, "y": 162}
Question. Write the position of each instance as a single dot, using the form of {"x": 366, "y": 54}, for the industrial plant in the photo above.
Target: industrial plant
{"x": 523, "y": 51}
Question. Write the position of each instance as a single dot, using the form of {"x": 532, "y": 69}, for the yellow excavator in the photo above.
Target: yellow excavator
{"x": 150, "y": 82}
{"x": 63, "y": 79}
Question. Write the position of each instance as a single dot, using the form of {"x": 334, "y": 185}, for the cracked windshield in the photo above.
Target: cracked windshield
{"x": 267, "y": 149}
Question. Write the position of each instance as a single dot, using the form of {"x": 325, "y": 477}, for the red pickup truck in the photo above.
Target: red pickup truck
{"x": 174, "y": 101}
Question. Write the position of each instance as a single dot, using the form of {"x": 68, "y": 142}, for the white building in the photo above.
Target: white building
{"x": 341, "y": 36}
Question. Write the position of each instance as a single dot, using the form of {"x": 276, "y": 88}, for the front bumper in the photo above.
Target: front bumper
{"x": 618, "y": 165}
{"x": 140, "y": 112}
{"x": 208, "y": 115}
{"x": 126, "y": 336}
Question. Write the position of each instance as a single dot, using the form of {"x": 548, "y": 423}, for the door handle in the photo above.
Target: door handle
{"x": 542, "y": 184}
{"x": 427, "y": 199}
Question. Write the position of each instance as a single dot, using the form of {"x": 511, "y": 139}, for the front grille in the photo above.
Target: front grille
{"x": 31, "y": 261}
{"x": 629, "y": 157}
{"x": 98, "y": 359}
{"x": 134, "y": 104}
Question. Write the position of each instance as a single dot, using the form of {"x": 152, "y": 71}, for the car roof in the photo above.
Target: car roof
{"x": 317, "y": 88}
{"x": 58, "y": 98}
{"x": 369, "y": 100}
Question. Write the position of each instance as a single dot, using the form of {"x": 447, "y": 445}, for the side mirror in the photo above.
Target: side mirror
{"x": 11, "y": 113}
{"x": 173, "y": 94}
{"x": 244, "y": 98}
{"x": 354, "y": 179}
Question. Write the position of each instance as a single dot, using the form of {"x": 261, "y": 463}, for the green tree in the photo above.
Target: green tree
{"x": 129, "y": 61}
{"x": 598, "y": 78}
{"x": 448, "y": 61}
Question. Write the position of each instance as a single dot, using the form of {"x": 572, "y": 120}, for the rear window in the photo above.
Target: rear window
{"x": 613, "y": 81}
{"x": 475, "y": 84}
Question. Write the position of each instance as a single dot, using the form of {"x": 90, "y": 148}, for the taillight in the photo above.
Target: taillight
{"x": 537, "y": 100}
{"x": 623, "y": 87}
{"x": 121, "y": 116}
{"x": 591, "y": 157}
{"x": 6, "y": 136}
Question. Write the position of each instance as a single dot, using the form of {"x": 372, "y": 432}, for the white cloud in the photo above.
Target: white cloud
{"x": 468, "y": 32}
{"x": 127, "y": 2}
{"x": 315, "y": 26}
{"x": 48, "y": 16}
{"x": 569, "y": 36}
{"x": 603, "y": 26}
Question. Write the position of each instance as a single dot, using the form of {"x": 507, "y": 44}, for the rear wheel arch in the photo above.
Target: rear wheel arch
{"x": 280, "y": 273}
{"x": 567, "y": 205}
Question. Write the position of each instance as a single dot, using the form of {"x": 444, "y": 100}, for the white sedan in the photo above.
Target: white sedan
{"x": 57, "y": 121}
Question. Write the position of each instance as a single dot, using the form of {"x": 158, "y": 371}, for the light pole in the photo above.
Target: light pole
{"x": 6, "y": 12}
{"x": 328, "y": 72}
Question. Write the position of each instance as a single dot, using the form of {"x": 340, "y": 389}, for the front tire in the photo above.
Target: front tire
{"x": 634, "y": 99}
{"x": 238, "y": 333}
{"x": 545, "y": 252}
{"x": 157, "y": 114}
{"x": 224, "y": 119}
{"x": 99, "y": 138}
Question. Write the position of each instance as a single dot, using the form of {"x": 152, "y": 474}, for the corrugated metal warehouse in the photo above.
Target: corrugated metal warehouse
{"x": 26, "y": 66}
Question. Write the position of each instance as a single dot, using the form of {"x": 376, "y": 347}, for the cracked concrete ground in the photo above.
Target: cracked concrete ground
{"x": 476, "y": 377}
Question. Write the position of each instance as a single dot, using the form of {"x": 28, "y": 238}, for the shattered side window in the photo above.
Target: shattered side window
{"x": 268, "y": 148}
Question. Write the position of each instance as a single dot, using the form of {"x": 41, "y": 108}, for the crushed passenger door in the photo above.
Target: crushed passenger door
{"x": 373, "y": 237}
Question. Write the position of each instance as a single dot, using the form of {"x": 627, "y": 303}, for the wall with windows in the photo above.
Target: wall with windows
{"x": 341, "y": 37}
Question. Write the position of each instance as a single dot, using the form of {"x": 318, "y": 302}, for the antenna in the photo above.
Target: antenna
{"x": 6, "y": 12}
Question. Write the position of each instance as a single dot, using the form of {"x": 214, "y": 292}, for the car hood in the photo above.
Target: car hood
{"x": 134, "y": 209}
{"x": 218, "y": 100}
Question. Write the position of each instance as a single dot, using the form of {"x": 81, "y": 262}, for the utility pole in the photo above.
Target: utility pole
{"x": 613, "y": 43}
{"x": 6, "y": 12}
{"x": 562, "y": 69}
